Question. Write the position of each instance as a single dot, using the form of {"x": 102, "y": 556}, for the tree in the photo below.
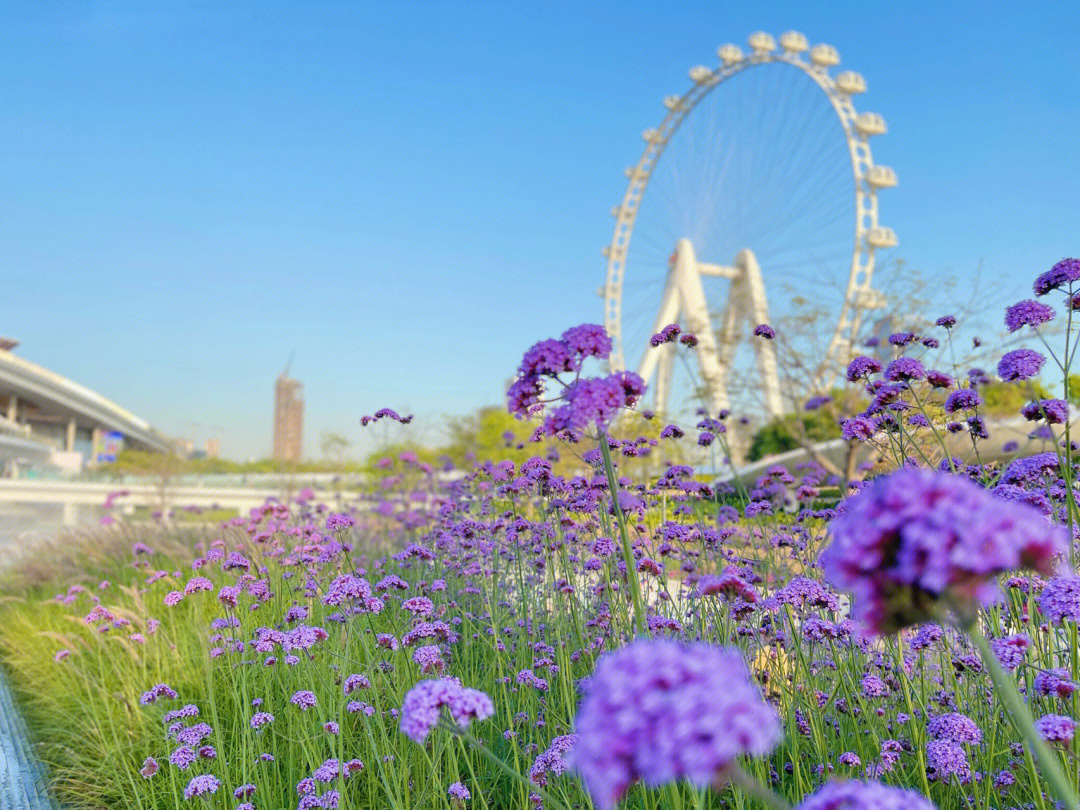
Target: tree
{"x": 334, "y": 446}
{"x": 1006, "y": 399}
{"x": 793, "y": 431}
{"x": 162, "y": 467}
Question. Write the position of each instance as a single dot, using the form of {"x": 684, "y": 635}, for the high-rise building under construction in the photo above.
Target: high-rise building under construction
{"x": 288, "y": 419}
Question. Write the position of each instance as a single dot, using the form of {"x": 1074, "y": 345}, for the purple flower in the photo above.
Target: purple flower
{"x": 873, "y": 687}
{"x": 855, "y": 795}
{"x": 1010, "y": 650}
{"x": 862, "y": 366}
{"x": 908, "y": 540}
{"x": 1054, "y": 411}
{"x": 903, "y": 369}
{"x": 902, "y": 338}
{"x": 183, "y": 757}
{"x": 328, "y": 771}
{"x": 423, "y": 703}
{"x": 1027, "y": 313}
{"x": 588, "y": 340}
{"x": 956, "y": 727}
{"x": 158, "y": 691}
{"x": 304, "y": 699}
{"x": 858, "y": 428}
{"x": 728, "y": 584}
{"x": 939, "y": 379}
{"x": 588, "y": 402}
{"x": 1064, "y": 272}
{"x": 945, "y": 759}
{"x": 547, "y": 358}
{"x": 1056, "y": 728}
{"x": 201, "y": 786}
{"x": 552, "y": 761}
{"x": 660, "y": 711}
{"x": 763, "y": 330}
{"x": 1060, "y": 600}
{"x": 260, "y": 719}
{"x": 419, "y": 606}
{"x": 1054, "y": 682}
{"x": 459, "y": 791}
{"x": 963, "y": 399}
{"x": 354, "y": 682}
{"x": 1021, "y": 364}
{"x": 339, "y": 521}
{"x": 666, "y": 335}
{"x": 149, "y": 767}
{"x": 429, "y": 659}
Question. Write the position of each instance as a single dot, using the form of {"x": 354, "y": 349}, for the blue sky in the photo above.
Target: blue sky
{"x": 409, "y": 194}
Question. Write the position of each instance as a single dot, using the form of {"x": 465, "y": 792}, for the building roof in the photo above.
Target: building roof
{"x": 56, "y": 396}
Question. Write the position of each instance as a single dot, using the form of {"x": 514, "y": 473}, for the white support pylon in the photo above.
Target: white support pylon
{"x": 684, "y": 297}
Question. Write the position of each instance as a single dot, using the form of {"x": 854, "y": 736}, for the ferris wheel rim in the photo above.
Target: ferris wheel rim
{"x": 859, "y": 295}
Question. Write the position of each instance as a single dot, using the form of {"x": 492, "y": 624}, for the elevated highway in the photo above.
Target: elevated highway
{"x": 45, "y": 417}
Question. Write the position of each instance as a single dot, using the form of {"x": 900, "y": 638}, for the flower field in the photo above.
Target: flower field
{"x": 508, "y": 637}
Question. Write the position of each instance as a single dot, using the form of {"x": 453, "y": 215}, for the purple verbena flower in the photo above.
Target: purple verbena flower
{"x": 855, "y": 795}
{"x": 203, "y": 785}
{"x": 423, "y": 703}
{"x": 1061, "y": 274}
{"x": 660, "y": 711}
{"x": 1021, "y": 364}
{"x": 1060, "y": 600}
{"x": 907, "y": 542}
{"x": 1028, "y": 313}
{"x": 1056, "y": 728}
{"x": 904, "y": 369}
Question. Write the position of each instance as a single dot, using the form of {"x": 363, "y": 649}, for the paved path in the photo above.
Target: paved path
{"x": 22, "y": 779}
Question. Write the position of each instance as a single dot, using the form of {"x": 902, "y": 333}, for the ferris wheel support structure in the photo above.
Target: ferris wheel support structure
{"x": 684, "y": 295}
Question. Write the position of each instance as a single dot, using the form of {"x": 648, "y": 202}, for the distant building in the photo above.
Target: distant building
{"x": 213, "y": 448}
{"x": 288, "y": 419}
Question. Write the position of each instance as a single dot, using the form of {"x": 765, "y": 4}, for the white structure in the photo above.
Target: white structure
{"x": 684, "y": 298}
{"x": 46, "y": 418}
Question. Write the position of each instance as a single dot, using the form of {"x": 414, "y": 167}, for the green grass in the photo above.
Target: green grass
{"x": 94, "y": 735}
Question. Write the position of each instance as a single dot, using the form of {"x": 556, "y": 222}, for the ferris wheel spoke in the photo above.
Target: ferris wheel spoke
{"x": 761, "y": 163}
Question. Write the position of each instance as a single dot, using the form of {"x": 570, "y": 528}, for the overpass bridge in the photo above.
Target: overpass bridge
{"x": 46, "y": 418}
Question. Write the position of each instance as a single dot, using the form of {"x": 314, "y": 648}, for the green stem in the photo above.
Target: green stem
{"x": 1022, "y": 719}
{"x": 628, "y": 553}
{"x": 739, "y": 776}
{"x": 502, "y": 766}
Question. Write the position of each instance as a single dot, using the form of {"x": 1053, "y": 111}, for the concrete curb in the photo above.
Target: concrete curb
{"x": 22, "y": 777}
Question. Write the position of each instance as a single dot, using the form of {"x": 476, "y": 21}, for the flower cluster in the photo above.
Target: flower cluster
{"x": 586, "y": 402}
{"x": 423, "y": 703}
{"x": 660, "y": 711}
{"x": 907, "y": 548}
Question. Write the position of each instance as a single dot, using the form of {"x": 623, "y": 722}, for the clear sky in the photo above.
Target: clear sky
{"x": 409, "y": 194}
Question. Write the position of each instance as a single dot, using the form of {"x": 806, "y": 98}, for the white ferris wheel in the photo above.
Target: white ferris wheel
{"x": 757, "y": 183}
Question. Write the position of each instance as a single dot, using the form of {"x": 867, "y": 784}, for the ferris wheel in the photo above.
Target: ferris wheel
{"x": 757, "y": 183}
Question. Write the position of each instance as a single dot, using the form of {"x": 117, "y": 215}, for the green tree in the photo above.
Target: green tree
{"x": 334, "y": 446}
{"x": 1006, "y": 398}
{"x": 793, "y": 431}
{"x": 489, "y": 434}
